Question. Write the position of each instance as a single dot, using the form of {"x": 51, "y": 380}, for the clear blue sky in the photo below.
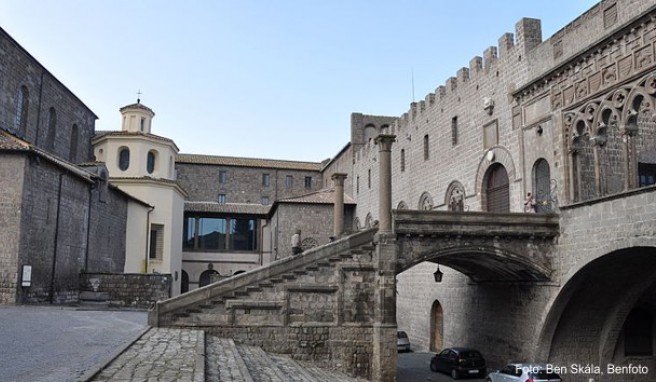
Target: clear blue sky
{"x": 269, "y": 78}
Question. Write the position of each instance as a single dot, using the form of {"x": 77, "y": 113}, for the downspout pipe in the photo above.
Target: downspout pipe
{"x": 145, "y": 270}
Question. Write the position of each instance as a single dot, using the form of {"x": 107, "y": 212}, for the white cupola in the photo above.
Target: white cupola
{"x": 137, "y": 118}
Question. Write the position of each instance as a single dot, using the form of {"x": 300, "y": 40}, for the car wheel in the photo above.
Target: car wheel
{"x": 454, "y": 374}
{"x": 489, "y": 379}
{"x": 433, "y": 367}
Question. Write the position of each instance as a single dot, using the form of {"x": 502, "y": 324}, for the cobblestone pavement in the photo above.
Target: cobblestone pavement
{"x": 160, "y": 355}
{"x": 58, "y": 344}
{"x": 415, "y": 366}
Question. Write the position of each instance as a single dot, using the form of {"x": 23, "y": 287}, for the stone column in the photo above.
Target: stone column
{"x": 384, "y": 142}
{"x": 338, "y": 181}
{"x": 384, "y": 331}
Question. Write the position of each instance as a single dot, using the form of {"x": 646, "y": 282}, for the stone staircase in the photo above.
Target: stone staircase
{"x": 317, "y": 307}
{"x": 163, "y": 354}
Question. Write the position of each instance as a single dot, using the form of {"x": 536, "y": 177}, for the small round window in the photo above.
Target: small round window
{"x": 124, "y": 158}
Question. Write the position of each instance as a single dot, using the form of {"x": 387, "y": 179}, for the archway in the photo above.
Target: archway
{"x": 206, "y": 277}
{"x": 184, "y": 282}
{"x": 598, "y": 307}
{"x": 497, "y": 189}
{"x": 437, "y": 327}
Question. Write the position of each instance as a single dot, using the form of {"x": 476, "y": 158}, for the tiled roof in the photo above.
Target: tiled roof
{"x": 325, "y": 196}
{"x": 121, "y": 133}
{"x": 9, "y": 142}
{"x": 247, "y": 162}
{"x": 228, "y": 208}
{"x": 137, "y": 105}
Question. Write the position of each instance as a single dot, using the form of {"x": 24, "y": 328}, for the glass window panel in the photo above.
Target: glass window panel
{"x": 189, "y": 233}
{"x": 211, "y": 233}
{"x": 243, "y": 234}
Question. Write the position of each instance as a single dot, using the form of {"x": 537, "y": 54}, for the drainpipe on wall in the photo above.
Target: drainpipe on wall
{"x": 54, "y": 254}
{"x": 147, "y": 239}
{"x": 86, "y": 251}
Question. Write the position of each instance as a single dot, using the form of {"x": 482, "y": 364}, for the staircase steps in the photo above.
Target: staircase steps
{"x": 260, "y": 366}
{"x": 223, "y": 361}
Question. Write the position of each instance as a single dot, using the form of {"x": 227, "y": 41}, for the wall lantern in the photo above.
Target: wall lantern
{"x": 438, "y": 274}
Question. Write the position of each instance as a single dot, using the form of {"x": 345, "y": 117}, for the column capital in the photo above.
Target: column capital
{"x": 384, "y": 141}
{"x": 339, "y": 177}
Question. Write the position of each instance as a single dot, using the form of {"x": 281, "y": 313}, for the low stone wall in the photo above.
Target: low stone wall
{"x": 136, "y": 290}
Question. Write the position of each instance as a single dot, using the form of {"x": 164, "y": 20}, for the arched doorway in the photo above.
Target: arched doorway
{"x": 497, "y": 189}
{"x": 206, "y": 277}
{"x": 437, "y": 327}
{"x": 542, "y": 185}
{"x": 184, "y": 282}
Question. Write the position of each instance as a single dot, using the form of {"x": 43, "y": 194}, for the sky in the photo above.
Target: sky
{"x": 273, "y": 79}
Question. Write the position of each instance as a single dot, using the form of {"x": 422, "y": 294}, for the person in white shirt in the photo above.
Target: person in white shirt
{"x": 296, "y": 243}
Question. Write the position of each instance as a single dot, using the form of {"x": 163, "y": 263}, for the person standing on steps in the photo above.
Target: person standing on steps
{"x": 296, "y": 243}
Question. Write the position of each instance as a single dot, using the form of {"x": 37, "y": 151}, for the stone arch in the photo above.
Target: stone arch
{"x": 483, "y": 262}
{"x": 499, "y": 155}
{"x": 425, "y": 202}
{"x": 455, "y": 196}
{"x": 402, "y": 205}
{"x": 206, "y": 277}
{"x": 597, "y": 296}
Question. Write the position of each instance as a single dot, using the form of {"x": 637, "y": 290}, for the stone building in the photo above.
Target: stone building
{"x": 227, "y": 214}
{"x": 570, "y": 119}
{"x": 59, "y": 214}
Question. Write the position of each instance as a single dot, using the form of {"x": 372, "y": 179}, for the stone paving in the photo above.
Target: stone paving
{"x": 160, "y": 355}
{"x": 185, "y": 355}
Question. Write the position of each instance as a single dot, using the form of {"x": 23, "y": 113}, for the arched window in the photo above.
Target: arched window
{"x": 123, "y": 158}
{"x": 425, "y": 202}
{"x": 542, "y": 185}
{"x": 150, "y": 161}
{"x": 22, "y": 106}
{"x": 52, "y": 125}
{"x": 402, "y": 205}
{"x": 497, "y": 189}
{"x": 455, "y": 197}
{"x": 72, "y": 155}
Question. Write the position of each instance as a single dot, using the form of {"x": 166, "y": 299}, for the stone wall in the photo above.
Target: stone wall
{"x": 341, "y": 163}
{"x": 12, "y": 170}
{"x": 107, "y": 234}
{"x": 133, "y": 290}
{"x": 242, "y": 184}
{"x": 314, "y": 220}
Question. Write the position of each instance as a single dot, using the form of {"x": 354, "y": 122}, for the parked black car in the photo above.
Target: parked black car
{"x": 459, "y": 362}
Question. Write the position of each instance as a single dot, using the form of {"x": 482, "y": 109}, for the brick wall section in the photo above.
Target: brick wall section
{"x": 12, "y": 168}
{"x": 130, "y": 289}
{"x": 342, "y": 163}
{"x": 243, "y": 184}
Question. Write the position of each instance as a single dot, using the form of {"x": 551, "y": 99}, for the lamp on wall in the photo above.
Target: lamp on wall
{"x": 438, "y": 274}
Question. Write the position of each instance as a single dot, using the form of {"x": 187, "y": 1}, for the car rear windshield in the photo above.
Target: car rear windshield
{"x": 401, "y": 335}
{"x": 542, "y": 374}
{"x": 470, "y": 354}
